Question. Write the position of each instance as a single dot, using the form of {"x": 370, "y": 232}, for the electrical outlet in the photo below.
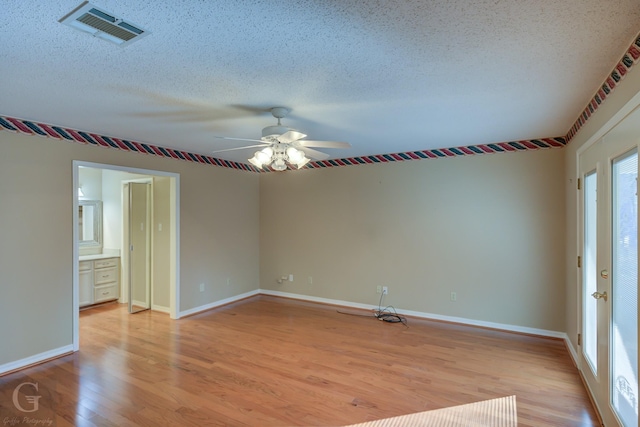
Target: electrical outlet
{"x": 228, "y": 281}
{"x": 385, "y": 290}
{"x": 378, "y": 289}
{"x": 201, "y": 287}
{"x": 454, "y": 296}
{"x": 310, "y": 280}
{"x": 291, "y": 277}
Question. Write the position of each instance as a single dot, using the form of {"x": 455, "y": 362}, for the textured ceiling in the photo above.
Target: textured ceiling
{"x": 386, "y": 76}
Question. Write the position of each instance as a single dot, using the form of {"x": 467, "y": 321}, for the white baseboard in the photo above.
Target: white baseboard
{"x": 36, "y": 358}
{"x": 430, "y": 316}
{"x": 572, "y": 351}
{"x": 140, "y": 303}
{"x": 161, "y": 309}
{"x": 484, "y": 324}
{"x": 217, "y": 303}
{"x": 317, "y": 299}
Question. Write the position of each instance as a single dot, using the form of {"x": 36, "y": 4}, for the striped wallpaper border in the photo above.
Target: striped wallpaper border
{"x": 469, "y": 150}
{"x": 630, "y": 58}
{"x": 72, "y": 135}
{"x": 88, "y": 138}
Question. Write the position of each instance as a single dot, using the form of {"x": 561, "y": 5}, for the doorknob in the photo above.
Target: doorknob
{"x": 604, "y": 274}
{"x": 598, "y": 295}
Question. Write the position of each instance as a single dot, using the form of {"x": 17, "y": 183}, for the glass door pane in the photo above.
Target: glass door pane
{"x": 590, "y": 309}
{"x": 624, "y": 327}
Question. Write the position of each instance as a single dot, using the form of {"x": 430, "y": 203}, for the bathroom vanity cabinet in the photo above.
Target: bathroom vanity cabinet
{"x": 99, "y": 280}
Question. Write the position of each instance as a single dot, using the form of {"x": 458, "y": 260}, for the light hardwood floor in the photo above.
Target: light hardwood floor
{"x": 270, "y": 361}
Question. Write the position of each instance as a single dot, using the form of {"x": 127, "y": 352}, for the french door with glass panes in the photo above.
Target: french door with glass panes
{"x": 609, "y": 276}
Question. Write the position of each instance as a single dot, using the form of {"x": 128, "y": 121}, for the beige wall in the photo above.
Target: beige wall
{"x": 490, "y": 228}
{"x": 219, "y": 236}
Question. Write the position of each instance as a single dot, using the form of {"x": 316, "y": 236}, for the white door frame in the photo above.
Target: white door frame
{"x": 174, "y": 279}
{"x": 629, "y": 108}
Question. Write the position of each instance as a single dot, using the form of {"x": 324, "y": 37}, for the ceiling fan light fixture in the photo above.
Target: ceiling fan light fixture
{"x": 297, "y": 157}
{"x": 255, "y": 162}
{"x": 279, "y": 164}
{"x": 302, "y": 162}
{"x": 294, "y": 155}
{"x": 264, "y": 156}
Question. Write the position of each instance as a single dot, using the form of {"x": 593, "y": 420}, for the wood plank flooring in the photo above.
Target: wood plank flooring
{"x": 270, "y": 361}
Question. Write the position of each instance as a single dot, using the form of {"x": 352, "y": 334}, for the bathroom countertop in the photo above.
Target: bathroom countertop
{"x": 97, "y": 256}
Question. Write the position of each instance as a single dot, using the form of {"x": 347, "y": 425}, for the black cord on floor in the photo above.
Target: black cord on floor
{"x": 389, "y": 314}
{"x": 354, "y": 314}
{"x": 386, "y": 315}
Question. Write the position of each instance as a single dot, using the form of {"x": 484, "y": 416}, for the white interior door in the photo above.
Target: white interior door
{"x": 609, "y": 271}
{"x": 139, "y": 245}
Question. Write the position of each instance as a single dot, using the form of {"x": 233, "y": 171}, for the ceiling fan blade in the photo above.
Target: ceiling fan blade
{"x": 314, "y": 154}
{"x": 242, "y": 139}
{"x": 237, "y": 148}
{"x": 255, "y": 110}
{"x": 166, "y": 107}
{"x": 324, "y": 144}
{"x": 291, "y": 136}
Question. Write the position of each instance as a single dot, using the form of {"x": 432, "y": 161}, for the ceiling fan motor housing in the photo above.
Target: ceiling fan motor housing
{"x": 274, "y": 131}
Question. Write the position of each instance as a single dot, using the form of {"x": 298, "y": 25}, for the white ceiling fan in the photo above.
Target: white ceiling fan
{"x": 282, "y": 145}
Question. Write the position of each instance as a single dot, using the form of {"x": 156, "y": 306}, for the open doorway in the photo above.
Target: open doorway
{"x": 163, "y": 228}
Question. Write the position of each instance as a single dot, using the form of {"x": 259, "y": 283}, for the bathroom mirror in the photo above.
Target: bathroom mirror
{"x": 90, "y": 223}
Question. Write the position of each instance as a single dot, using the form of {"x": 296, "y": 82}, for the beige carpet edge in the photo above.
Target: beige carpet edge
{"x": 500, "y": 412}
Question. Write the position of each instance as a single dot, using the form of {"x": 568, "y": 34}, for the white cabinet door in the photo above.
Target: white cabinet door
{"x": 86, "y": 287}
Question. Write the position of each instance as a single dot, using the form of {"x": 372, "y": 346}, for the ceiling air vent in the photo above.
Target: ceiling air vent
{"x": 102, "y": 24}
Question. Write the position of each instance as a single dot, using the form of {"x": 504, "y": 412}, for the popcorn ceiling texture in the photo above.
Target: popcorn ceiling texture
{"x": 386, "y": 76}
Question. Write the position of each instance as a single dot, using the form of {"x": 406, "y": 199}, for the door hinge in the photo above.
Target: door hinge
{"x": 579, "y": 186}
{"x": 579, "y": 339}
{"x": 579, "y": 261}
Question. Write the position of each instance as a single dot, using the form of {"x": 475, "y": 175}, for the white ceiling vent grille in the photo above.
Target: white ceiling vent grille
{"x": 102, "y": 24}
